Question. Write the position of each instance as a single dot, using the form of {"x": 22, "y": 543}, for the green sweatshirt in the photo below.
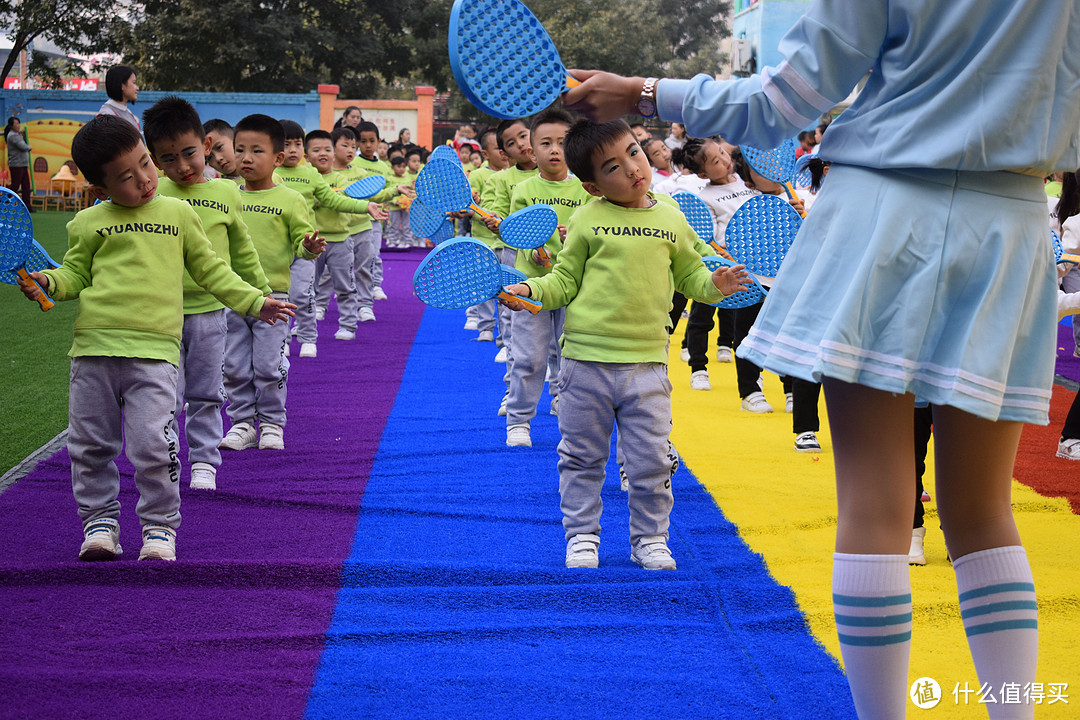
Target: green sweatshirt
{"x": 564, "y": 196}
{"x": 616, "y": 274}
{"x": 309, "y": 182}
{"x": 278, "y": 220}
{"x": 217, "y": 203}
{"x": 478, "y": 180}
{"x": 126, "y": 265}
{"x": 333, "y": 224}
{"x": 500, "y": 188}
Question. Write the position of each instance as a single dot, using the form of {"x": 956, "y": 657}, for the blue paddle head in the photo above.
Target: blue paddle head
{"x": 529, "y": 227}
{"x": 444, "y": 233}
{"x": 511, "y": 275}
{"x": 697, "y": 214}
{"x": 777, "y": 164}
{"x": 744, "y": 298}
{"x": 36, "y": 261}
{"x": 444, "y": 186}
{"x": 503, "y": 59}
{"x": 16, "y": 231}
{"x": 457, "y": 274}
{"x": 424, "y": 220}
{"x": 760, "y": 233}
{"x": 1058, "y": 248}
{"x": 366, "y": 187}
{"x": 444, "y": 152}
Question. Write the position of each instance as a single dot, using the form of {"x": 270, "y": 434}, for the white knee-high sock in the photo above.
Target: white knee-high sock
{"x": 872, "y": 604}
{"x": 997, "y": 602}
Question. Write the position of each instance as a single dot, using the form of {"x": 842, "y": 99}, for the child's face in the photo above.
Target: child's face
{"x": 255, "y": 155}
{"x": 622, "y": 173}
{"x": 659, "y": 155}
{"x": 130, "y": 179}
{"x": 182, "y": 158}
{"x": 763, "y": 185}
{"x": 344, "y": 151}
{"x": 383, "y": 149}
{"x": 465, "y": 152}
{"x": 516, "y": 145}
{"x": 717, "y": 164}
{"x": 396, "y": 153}
{"x": 221, "y": 155}
{"x": 413, "y": 163}
{"x": 496, "y": 158}
{"x": 476, "y": 159}
{"x": 547, "y": 145}
{"x": 399, "y": 170}
{"x": 320, "y": 153}
{"x": 369, "y": 140}
{"x": 294, "y": 150}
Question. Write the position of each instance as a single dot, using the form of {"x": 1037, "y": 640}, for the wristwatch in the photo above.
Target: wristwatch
{"x": 646, "y": 105}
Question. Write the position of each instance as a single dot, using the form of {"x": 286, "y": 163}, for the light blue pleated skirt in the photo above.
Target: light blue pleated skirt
{"x": 931, "y": 282}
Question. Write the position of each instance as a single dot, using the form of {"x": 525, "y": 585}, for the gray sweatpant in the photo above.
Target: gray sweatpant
{"x": 533, "y": 338}
{"x": 302, "y": 294}
{"x": 198, "y": 383}
{"x": 593, "y": 398}
{"x": 112, "y": 400}
{"x": 336, "y": 264}
{"x": 364, "y": 250}
{"x": 376, "y": 258}
{"x": 256, "y": 369}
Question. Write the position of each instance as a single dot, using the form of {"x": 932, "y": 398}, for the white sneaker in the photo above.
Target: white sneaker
{"x": 158, "y": 542}
{"x": 756, "y": 403}
{"x": 916, "y": 555}
{"x": 581, "y": 551}
{"x": 241, "y": 436}
{"x": 723, "y": 354}
{"x": 287, "y": 350}
{"x": 700, "y": 380}
{"x": 472, "y": 324}
{"x": 807, "y": 442}
{"x": 652, "y": 553}
{"x": 292, "y": 330}
{"x": 624, "y": 480}
{"x": 378, "y": 294}
{"x": 366, "y": 315}
{"x": 101, "y": 540}
{"x": 320, "y": 314}
{"x": 789, "y": 403}
{"x": 1069, "y": 449}
{"x": 684, "y": 355}
{"x": 485, "y": 336}
{"x": 554, "y": 410}
{"x": 500, "y": 357}
{"x": 343, "y": 334}
{"x": 502, "y": 405}
{"x": 518, "y": 436}
{"x": 203, "y": 476}
{"x": 308, "y": 350}
{"x": 271, "y": 437}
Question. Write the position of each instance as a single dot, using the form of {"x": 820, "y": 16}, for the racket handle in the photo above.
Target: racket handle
{"x": 530, "y": 304}
{"x": 1069, "y": 259}
{"x": 545, "y": 256}
{"x": 572, "y": 82}
{"x": 479, "y": 210}
{"x": 791, "y": 195}
{"x": 43, "y": 300}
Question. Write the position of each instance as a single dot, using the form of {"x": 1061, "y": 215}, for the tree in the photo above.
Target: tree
{"x": 71, "y": 24}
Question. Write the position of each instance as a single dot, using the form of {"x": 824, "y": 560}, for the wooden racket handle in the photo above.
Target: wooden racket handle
{"x": 791, "y": 194}
{"x": 43, "y": 299}
{"x": 545, "y": 256}
{"x": 530, "y": 304}
{"x": 572, "y": 82}
{"x": 479, "y": 210}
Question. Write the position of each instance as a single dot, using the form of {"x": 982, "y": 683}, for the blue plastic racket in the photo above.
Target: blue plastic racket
{"x": 443, "y": 185}
{"x": 36, "y": 261}
{"x": 1058, "y": 248}
{"x": 461, "y": 273}
{"x": 444, "y": 233}
{"x": 699, "y": 216}
{"x": 529, "y": 229}
{"x": 364, "y": 188}
{"x": 444, "y": 152}
{"x": 760, "y": 233}
{"x": 744, "y": 298}
{"x": 503, "y": 59}
{"x": 777, "y": 164}
{"x": 17, "y": 244}
{"x": 511, "y": 275}
{"x": 424, "y": 220}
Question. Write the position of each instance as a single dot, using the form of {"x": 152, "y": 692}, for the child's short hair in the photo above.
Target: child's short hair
{"x": 506, "y": 125}
{"x": 100, "y": 141}
{"x": 414, "y": 150}
{"x": 115, "y": 79}
{"x": 395, "y": 147}
{"x": 266, "y": 125}
{"x": 343, "y": 132}
{"x": 424, "y": 155}
{"x": 484, "y": 135}
{"x": 317, "y": 135}
{"x": 293, "y": 130}
{"x": 217, "y": 125}
{"x": 366, "y": 126}
{"x": 551, "y": 115}
{"x": 584, "y": 139}
{"x": 169, "y": 118}
{"x": 399, "y": 160}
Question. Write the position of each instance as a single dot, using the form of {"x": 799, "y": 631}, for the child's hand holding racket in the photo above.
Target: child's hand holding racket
{"x": 516, "y": 289}
{"x": 491, "y": 222}
{"x": 274, "y": 310}
{"x": 37, "y": 290}
{"x": 406, "y": 190}
{"x": 730, "y": 280}
{"x": 376, "y": 211}
{"x": 314, "y": 243}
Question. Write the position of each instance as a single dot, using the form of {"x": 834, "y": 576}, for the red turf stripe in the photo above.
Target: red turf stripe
{"x": 1036, "y": 465}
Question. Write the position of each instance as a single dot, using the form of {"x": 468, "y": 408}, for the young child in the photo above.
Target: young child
{"x": 398, "y": 234}
{"x": 220, "y": 156}
{"x": 922, "y": 274}
{"x": 125, "y": 262}
{"x": 177, "y": 144}
{"x": 256, "y": 367}
{"x": 536, "y": 335}
{"x": 371, "y": 275}
{"x": 614, "y": 275}
{"x": 482, "y": 317}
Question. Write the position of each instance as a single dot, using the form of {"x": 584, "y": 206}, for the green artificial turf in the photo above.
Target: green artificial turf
{"x": 33, "y": 357}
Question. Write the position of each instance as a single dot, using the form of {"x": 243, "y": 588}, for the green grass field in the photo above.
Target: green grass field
{"x": 33, "y": 357}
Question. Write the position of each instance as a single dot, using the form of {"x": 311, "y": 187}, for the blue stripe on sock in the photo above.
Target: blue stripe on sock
{"x": 999, "y": 588}
{"x": 874, "y": 640}
{"x": 861, "y": 621}
{"x": 858, "y": 601}
{"x": 999, "y": 607}
{"x": 1000, "y": 626}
